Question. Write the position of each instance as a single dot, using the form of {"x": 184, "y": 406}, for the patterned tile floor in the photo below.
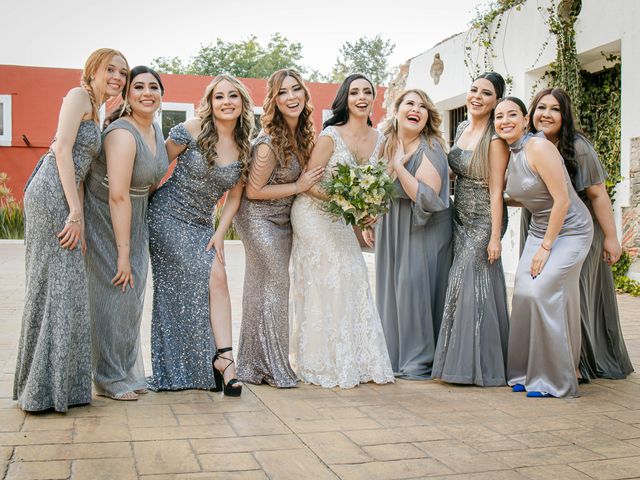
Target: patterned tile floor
{"x": 407, "y": 430}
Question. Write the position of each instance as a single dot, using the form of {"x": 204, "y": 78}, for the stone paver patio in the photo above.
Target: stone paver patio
{"x": 407, "y": 430}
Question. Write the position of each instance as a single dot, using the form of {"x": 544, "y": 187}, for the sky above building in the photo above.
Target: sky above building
{"x": 62, "y": 33}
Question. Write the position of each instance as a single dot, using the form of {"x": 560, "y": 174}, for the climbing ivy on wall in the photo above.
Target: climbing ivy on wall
{"x": 600, "y": 97}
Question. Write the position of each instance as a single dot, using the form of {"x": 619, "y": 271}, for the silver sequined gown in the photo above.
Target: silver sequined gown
{"x": 544, "y": 339}
{"x": 180, "y": 225}
{"x": 413, "y": 257}
{"x": 603, "y": 352}
{"x": 472, "y": 345}
{"x": 265, "y": 229}
{"x": 53, "y": 369}
{"x": 116, "y": 315}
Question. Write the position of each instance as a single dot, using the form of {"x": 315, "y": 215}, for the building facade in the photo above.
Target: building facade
{"x": 524, "y": 50}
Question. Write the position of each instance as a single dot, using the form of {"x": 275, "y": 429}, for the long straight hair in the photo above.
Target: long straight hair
{"x": 479, "y": 164}
{"x": 568, "y": 130}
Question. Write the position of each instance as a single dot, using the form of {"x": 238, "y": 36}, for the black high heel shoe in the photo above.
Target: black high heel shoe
{"x": 229, "y": 388}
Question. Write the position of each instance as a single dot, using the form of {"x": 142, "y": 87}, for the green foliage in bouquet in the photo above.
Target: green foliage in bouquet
{"x": 356, "y": 192}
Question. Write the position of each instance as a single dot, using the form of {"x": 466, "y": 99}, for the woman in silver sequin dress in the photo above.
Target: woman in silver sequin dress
{"x": 133, "y": 160}
{"x": 191, "y": 304}
{"x": 413, "y": 240}
{"x": 280, "y": 153}
{"x": 603, "y": 352}
{"x": 544, "y": 341}
{"x": 53, "y": 369}
{"x": 472, "y": 345}
{"x": 336, "y": 335}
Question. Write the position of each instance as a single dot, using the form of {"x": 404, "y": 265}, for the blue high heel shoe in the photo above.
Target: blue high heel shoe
{"x": 539, "y": 395}
{"x": 518, "y": 387}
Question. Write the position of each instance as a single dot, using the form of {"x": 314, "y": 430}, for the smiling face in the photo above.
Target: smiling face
{"x": 226, "y": 102}
{"x": 481, "y": 98}
{"x": 360, "y": 99}
{"x": 145, "y": 94}
{"x": 509, "y": 121}
{"x": 290, "y": 99}
{"x": 547, "y": 117}
{"x": 112, "y": 77}
{"x": 412, "y": 113}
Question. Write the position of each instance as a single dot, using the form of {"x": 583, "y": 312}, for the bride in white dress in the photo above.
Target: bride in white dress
{"x": 336, "y": 336}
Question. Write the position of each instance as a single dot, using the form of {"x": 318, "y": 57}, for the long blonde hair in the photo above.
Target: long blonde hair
{"x": 208, "y": 137}
{"x": 283, "y": 141}
{"x": 430, "y": 132}
{"x": 97, "y": 60}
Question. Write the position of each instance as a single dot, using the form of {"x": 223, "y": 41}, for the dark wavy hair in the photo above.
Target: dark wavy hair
{"x": 340, "y": 105}
{"x": 122, "y": 111}
{"x": 568, "y": 130}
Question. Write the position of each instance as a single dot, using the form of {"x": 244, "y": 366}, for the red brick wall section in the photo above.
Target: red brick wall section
{"x": 37, "y": 94}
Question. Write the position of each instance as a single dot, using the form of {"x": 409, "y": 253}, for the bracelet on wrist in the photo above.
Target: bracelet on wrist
{"x": 71, "y": 220}
{"x": 547, "y": 249}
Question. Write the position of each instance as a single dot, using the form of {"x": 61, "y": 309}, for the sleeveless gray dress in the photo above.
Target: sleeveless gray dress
{"x": 53, "y": 369}
{"x": 603, "y": 353}
{"x": 181, "y": 224}
{"x": 544, "y": 340}
{"x": 265, "y": 229}
{"x": 472, "y": 345}
{"x": 116, "y": 316}
{"x": 413, "y": 257}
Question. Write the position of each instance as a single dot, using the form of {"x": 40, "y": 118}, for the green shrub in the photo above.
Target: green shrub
{"x": 622, "y": 282}
{"x": 11, "y": 218}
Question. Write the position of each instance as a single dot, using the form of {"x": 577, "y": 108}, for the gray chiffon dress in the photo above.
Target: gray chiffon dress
{"x": 265, "y": 229}
{"x": 472, "y": 344}
{"x": 53, "y": 368}
{"x": 603, "y": 352}
{"x": 116, "y": 315}
{"x": 181, "y": 223}
{"x": 413, "y": 257}
{"x": 544, "y": 339}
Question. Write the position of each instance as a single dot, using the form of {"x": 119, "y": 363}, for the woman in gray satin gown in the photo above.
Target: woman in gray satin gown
{"x": 116, "y": 194}
{"x": 53, "y": 368}
{"x": 263, "y": 220}
{"x": 472, "y": 344}
{"x": 544, "y": 339}
{"x": 191, "y": 320}
{"x": 603, "y": 352}
{"x": 413, "y": 239}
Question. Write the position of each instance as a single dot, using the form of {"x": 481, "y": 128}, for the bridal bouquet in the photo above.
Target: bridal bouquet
{"x": 356, "y": 192}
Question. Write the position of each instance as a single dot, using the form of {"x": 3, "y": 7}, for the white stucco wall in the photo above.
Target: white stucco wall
{"x": 609, "y": 26}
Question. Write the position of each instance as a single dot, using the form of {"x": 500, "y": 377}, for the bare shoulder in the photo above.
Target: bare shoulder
{"x": 498, "y": 145}
{"x": 193, "y": 126}
{"x": 539, "y": 145}
{"x": 78, "y": 98}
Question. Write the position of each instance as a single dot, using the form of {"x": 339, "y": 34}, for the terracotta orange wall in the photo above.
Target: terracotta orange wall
{"x": 37, "y": 92}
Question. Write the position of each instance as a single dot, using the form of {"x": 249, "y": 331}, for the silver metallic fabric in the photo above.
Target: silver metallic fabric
{"x": 544, "y": 340}
{"x": 265, "y": 229}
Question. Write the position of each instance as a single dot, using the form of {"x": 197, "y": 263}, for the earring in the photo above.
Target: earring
{"x": 240, "y": 122}
{"x": 395, "y": 123}
{"x": 127, "y": 109}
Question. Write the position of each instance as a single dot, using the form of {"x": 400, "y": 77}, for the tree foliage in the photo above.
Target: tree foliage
{"x": 368, "y": 56}
{"x": 246, "y": 58}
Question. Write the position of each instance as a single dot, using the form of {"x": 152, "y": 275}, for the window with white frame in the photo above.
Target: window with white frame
{"x": 174, "y": 113}
{"x": 5, "y": 120}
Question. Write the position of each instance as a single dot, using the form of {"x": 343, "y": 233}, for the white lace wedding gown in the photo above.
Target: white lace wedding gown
{"x": 336, "y": 336}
